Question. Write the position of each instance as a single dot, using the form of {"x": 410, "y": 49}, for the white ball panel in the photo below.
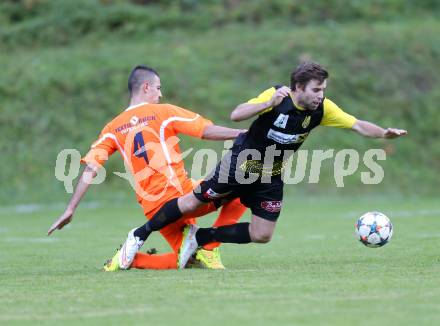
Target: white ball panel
{"x": 364, "y": 230}
{"x": 368, "y": 219}
{"x": 382, "y": 220}
{"x": 384, "y": 232}
{"x": 374, "y": 238}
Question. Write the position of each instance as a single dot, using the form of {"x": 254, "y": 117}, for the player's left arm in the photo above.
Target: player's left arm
{"x": 369, "y": 129}
{"x": 214, "y": 132}
{"x": 193, "y": 124}
{"x": 334, "y": 116}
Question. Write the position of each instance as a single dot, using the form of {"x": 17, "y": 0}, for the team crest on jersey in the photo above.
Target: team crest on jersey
{"x": 134, "y": 120}
{"x": 306, "y": 122}
{"x": 281, "y": 121}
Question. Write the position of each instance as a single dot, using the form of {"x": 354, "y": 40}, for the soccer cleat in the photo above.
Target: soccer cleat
{"x": 189, "y": 245}
{"x": 193, "y": 263}
{"x": 209, "y": 259}
{"x": 129, "y": 249}
{"x": 112, "y": 265}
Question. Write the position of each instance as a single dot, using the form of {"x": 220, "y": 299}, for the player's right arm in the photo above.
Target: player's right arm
{"x": 84, "y": 182}
{"x": 264, "y": 102}
{"x": 95, "y": 158}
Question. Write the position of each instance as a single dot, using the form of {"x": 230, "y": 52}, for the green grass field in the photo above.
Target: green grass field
{"x": 312, "y": 273}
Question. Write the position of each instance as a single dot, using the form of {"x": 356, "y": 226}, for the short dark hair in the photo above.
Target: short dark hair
{"x": 305, "y": 72}
{"x": 139, "y": 75}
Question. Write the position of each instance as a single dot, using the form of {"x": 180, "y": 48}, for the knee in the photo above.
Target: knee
{"x": 260, "y": 236}
{"x": 188, "y": 204}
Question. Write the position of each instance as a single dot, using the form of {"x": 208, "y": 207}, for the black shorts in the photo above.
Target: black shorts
{"x": 228, "y": 181}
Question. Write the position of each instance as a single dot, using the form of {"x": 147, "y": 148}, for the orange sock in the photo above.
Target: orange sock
{"x": 230, "y": 213}
{"x": 147, "y": 261}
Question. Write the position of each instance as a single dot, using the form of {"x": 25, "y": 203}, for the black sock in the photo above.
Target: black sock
{"x": 143, "y": 232}
{"x": 168, "y": 214}
{"x": 235, "y": 233}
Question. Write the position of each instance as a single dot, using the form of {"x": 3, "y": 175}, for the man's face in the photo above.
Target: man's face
{"x": 152, "y": 90}
{"x": 312, "y": 94}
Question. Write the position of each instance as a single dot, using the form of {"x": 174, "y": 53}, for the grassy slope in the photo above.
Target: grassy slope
{"x": 314, "y": 272}
{"x": 63, "y": 95}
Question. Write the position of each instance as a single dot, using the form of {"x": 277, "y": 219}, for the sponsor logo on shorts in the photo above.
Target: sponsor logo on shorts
{"x": 211, "y": 194}
{"x": 272, "y": 206}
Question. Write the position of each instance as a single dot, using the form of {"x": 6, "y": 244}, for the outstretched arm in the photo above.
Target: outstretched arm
{"x": 369, "y": 129}
{"x": 214, "y": 132}
{"x": 88, "y": 174}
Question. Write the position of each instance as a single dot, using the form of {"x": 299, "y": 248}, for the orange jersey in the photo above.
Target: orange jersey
{"x": 146, "y": 137}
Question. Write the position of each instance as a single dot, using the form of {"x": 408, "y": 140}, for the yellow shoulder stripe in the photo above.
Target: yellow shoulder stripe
{"x": 334, "y": 116}
{"x": 263, "y": 97}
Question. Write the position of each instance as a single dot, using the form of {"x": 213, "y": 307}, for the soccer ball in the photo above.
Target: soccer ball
{"x": 374, "y": 229}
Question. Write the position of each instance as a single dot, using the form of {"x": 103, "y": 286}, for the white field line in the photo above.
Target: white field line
{"x": 31, "y": 240}
{"x": 321, "y": 237}
{"x": 35, "y": 208}
{"x": 77, "y": 315}
{"x": 399, "y": 214}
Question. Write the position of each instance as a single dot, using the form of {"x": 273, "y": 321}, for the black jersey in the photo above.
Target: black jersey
{"x": 284, "y": 126}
